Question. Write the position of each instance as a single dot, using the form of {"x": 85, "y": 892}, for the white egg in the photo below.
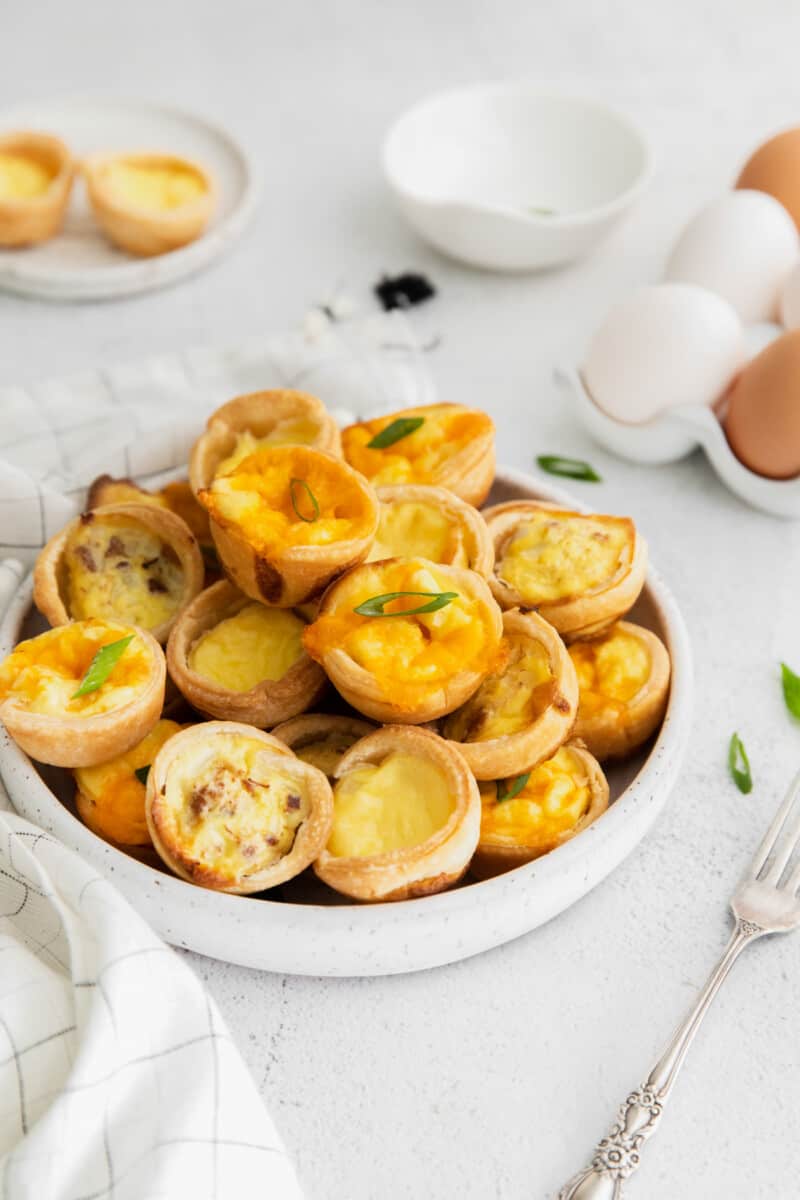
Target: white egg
{"x": 789, "y": 306}
{"x": 665, "y": 345}
{"x": 742, "y": 246}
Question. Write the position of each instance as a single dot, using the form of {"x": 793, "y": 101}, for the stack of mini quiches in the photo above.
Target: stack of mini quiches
{"x": 366, "y": 676}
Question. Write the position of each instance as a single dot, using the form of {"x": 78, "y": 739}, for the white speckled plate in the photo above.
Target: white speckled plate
{"x": 78, "y": 263}
{"x": 382, "y": 939}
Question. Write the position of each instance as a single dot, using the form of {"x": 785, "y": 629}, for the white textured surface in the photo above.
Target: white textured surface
{"x": 493, "y": 1078}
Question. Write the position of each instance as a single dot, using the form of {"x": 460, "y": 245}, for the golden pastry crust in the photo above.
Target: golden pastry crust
{"x": 179, "y": 558}
{"x": 454, "y": 449}
{"x": 321, "y": 739}
{"x": 30, "y": 220}
{"x": 406, "y": 669}
{"x": 416, "y": 870}
{"x": 577, "y": 611}
{"x": 279, "y": 414}
{"x": 466, "y": 540}
{"x": 265, "y": 704}
{"x": 613, "y": 726}
{"x": 229, "y": 807}
{"x": 541, "y": 726}
{"x": 178, "y": 497}
{"x": 140, "y": 228}
{"x": 37, "y": 703}
{"x": 543, "y": 830}
{"x": 270, "y": 551}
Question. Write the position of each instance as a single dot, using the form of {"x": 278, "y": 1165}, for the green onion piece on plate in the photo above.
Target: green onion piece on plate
{"x": 739, "y": 765}
{"x": 513, "y": 788}
{"x": 569, "y": 468}
{"x": 375, "y": 605}
{"x": 101, "y": 666}
{"x": 791, "y": 689}
{"x": 393, "y": 432}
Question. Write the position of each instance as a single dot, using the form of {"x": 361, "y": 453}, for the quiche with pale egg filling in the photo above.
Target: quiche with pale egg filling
{"x": 281, "y": 417}
{"x": 231, "y": 808}
{"x": 623, "y": 681}
{"x": 238, "y": 660}
{"x": 395, "y": 662}
{"x": 522, "y": 712}
{"x": 321, "y": 739}
{"x": 417, "y": 521}
{"x": 36, "y": 174}
{"x": 46, "y": 709}
{"x": 579, "y": 571}
{"x": 406, "y": 817}
{"x": 446, "y": 445}
{"x": 178, "y": 497}
{"x": 527, "y": 816}
{"x": 130, "y": 562}
{"x": 287, "y": 519}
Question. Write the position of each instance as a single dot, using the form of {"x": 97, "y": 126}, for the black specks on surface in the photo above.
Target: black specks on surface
{"x": 403, "y": 291}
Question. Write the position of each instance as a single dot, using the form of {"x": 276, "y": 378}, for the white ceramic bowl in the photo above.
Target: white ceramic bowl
{"x": 511, "y": 178}
{"x": 380, "y": 939}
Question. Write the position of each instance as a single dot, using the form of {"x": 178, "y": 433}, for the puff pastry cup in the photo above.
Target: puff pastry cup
{"x": 579, "y": 571}
{"x": 229, "y": 807}
{"x": 322, "y": 738}
{"x": 133, "y": 562}
{"x": 406, "y": 817}
{"x": 40, "y": 677}
{"x": 287, "y": 519}
{"x": 149, "y": 203}
{"x": 36, "y": 175}
{"x": 545, "y": 808}
{"x": 279, "y": 417}
{"x": 453, "y": 447}
{"x": 623, "y": 677}
{"x": 417, "y": 521}
{"x": 406, "y": 669}
{"x": 523, "y": 711}
{"x": 238, "y": 660}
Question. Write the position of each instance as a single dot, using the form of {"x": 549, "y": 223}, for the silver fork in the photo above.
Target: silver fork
{"x": 765, "y": 902}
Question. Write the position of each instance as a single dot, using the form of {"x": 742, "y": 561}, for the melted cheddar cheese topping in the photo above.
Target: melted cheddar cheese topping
{"x": 556, "y": 796}
{"x": 510, "y": 700}
{"x": 325, "y": 752}
{"x": 43, "y": 673}
{"x": 409, "y": 529}
{"x": 418, "y": 457}
{"x": 255, "y": 644}
{"x": 553, "y": 556}
{"x": 160, "y": 185}
{"x": 116, "y": 567}
{"x": 394, "y": 805}
{"x": 22, "y": 177}
{"x": 289, "y": 432}
{"x": 611, "y": 671}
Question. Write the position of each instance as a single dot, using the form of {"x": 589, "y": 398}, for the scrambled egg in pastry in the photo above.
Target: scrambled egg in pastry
{"x": 417, "y": 521}
{"x": 36, "y": 174}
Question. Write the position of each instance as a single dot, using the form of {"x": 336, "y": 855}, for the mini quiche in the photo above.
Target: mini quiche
{"x": 322, "y": 738}
{"x": 281, "y": 417}
{"x": 230, "y": 808}
{"x": 36, "y": 174}
{"x": 287, "y": 519}
{"x": 446, "y": 445}
{"x": 130, "y": 562}
{"x": 429, "y": 522}
{"x": 178, "y": 497}
{"x": 240, "y": 661}
{"x": 522, "y": 712}
{"x": 525, "y": 817}
{"x": 148, "y": 204}
{"x": 61, "y": 712}
{"x": 406, "y": 817}
{"x": 579, "y": 571}
{"x": 406, "y": 640}
{"x": 623, "y": 678}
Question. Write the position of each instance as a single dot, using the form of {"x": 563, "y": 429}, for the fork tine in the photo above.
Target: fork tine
{"x": 771, "y": 836}
{"x": 783, "y": 851}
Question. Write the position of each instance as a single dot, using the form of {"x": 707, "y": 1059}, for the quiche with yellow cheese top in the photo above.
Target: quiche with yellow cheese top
{"x": 321, "y": 739}
{"x": 623, "y": 678}
{"x": 406, "y": 817}
{"x": 281, "y": 417}
{"x": 446, "y": 445}
{"x": 238, "y": 660}
{"x": 229, "y": 807}
{"x": 406, "y": 640}
{"x": 417, "y": 521}
{"x": 36, "y": 174}
{"x": 287, "y": 519}
{"x": 525, "y": 817}
{"x": 522, "y": 712}
{"x": 129, "y": 562}
{"x": 48, "y": 709}
{"x": 579, "y": 571}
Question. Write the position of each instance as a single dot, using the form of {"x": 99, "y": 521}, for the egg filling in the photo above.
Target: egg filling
{"x": 554, "y": 799}
{"x": 22, "y": 178}
{"x": 509, "y": 700}
{"x": 395, "y": 805}
{"x": 115, "y": 567}
{"x": 417, "y": 458}
{"x": 291, "y": 431}
{"x": 611, "y": 671}
{"x": 553, "y": 556}
{"x": 325, "y": 752}
{"x": 409, "y": 529}
{"x": 159, "y": 184}
{"x": 254, "y": 645}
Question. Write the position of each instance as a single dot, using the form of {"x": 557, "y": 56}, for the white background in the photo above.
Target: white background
{"x": 492, "y": 1078}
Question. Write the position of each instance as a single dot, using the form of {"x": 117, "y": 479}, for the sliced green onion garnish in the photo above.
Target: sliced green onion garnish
{"x": 791, "y": 689}
{"x": 375, "y": 605}
{"x": 294, "y": 484}
{"x": 508, "y": 790}
{"x": 393, "y": 432}
{"x": 101, "y": 666}
{"x": 141, "y": 773}
{"x": 739, "y": 765}
{"x": 569, "y": 468}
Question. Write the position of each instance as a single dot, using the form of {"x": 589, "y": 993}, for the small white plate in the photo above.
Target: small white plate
{"x": 78, "y": 263}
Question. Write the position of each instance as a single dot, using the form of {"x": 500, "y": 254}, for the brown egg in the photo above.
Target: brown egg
{"x": 775, "y": 168}
{"x": 763, "y": 418}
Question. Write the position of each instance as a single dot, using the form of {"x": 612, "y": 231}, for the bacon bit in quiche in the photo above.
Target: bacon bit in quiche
{"x": 86, "y": 557}
{"x": 156, "y": 586}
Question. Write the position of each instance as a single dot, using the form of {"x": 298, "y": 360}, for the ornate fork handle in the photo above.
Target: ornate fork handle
{"x": 618, "y": 1155}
